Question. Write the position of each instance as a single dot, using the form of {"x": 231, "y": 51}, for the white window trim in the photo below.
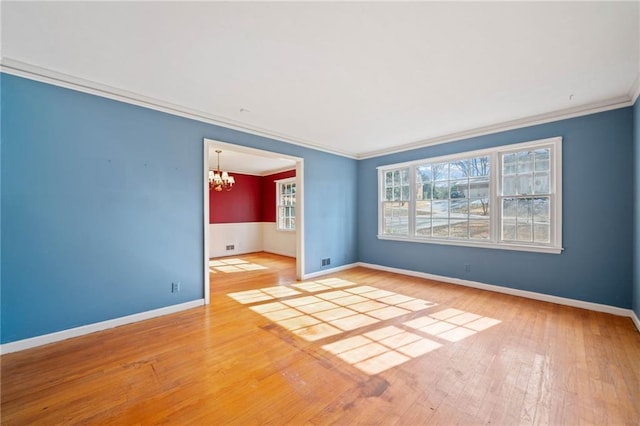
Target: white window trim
{"x": 555, "y": 215}
{"x": 278, "y": 182}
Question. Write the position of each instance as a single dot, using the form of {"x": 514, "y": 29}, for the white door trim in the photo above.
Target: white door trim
{"x": 205, "y": 189}
{"x": 207, "y": 144}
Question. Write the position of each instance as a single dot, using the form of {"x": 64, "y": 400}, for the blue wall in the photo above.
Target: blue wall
{"x": 102, "y": 210}
{"x": 596, "y": 265}
{"x": 102, "y": 207}
{"x": 636, "y": 197}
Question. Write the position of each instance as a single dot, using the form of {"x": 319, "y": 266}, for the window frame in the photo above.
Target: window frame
{"x": 401, "y": 198}
{"x": 278, "y": 183}
{"x": 494, "y": 241}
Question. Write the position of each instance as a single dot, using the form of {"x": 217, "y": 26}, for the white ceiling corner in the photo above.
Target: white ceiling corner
{"x": 359, "y": 79}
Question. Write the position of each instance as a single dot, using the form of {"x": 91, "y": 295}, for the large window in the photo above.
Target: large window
{"x": 505, "y": 197}
{"x": 286, "y": 204}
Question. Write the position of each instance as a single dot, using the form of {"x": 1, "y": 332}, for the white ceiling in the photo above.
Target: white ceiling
{"x": 235, "y": 161}
{"x": 353, "y": 78}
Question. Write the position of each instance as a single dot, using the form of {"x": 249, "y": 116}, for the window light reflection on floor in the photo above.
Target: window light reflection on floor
{"x": 323, "y": 284}
{"x": 233, "y": 265}
{"x": 320, "y": 315}
{"x": 451, "y": 324}
{"x": 381, "y": 349}
{"x": 320, "y": 309}
{"x": 260, "y": 295}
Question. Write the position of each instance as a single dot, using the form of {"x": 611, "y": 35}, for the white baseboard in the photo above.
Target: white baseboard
{"x": 92, "y": 328}
{"x": 635, "y": 320}
{"x": 330, "y": 271}
{"x": 32, "y": 342}
{"x": 506, "y": 290}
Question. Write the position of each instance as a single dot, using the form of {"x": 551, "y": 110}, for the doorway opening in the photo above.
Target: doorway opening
{"x": 253, "y": 161}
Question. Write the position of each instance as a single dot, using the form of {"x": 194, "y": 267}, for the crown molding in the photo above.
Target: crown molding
{"x": 276, "y": 171}
{"x": 44, "y": 75}
{"x": 592, "y": 108}
{"x": 33, "y": 72}
{"x": 259, "y": 174}
{"x": 635, "y": 90}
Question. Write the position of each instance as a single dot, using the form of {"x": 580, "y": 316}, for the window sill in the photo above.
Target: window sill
{"x": 285, "y": 230}
{"x": 477, "y": 244}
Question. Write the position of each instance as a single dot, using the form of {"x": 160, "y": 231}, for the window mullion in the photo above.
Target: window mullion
{"x": 412, "y": 197}
{"x": 495, "y": 192}
{"x": 382, "y": 191}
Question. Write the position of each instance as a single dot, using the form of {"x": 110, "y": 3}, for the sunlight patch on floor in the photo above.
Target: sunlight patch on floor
{"x": 260, "y": 295}
{"x": 233, "y": 265}
{"x": 323, "y": 285}
{"x": 320, "y": 315}
{"x": 451, "y": 324}
{"x": 320, "y": 309}
{"x": 381, "y": 349}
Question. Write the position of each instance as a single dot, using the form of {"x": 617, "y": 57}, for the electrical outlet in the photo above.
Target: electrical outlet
{"x": 467, "y": 267}
{"x": 326, "y": 261}
{"x": 175, "y": 287}
{"x": 231, "y": 247}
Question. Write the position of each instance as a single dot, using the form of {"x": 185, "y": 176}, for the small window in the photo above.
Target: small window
{"x": 507, "y": 197}
{"x": 286, "y": 204}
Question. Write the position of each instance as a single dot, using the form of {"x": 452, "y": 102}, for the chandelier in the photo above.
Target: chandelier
{"x": 220, "y": 180}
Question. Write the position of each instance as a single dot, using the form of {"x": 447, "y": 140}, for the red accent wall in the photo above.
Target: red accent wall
{"x": 252, "y": 199}
{"x": 269, "y": 194}
{"x": 241, "y": 204}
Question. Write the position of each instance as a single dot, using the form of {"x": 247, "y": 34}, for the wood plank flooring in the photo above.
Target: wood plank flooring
{"x": 355, "y": 347}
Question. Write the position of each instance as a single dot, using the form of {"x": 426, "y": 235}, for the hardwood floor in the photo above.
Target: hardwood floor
{"x": 355, "y": 347}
